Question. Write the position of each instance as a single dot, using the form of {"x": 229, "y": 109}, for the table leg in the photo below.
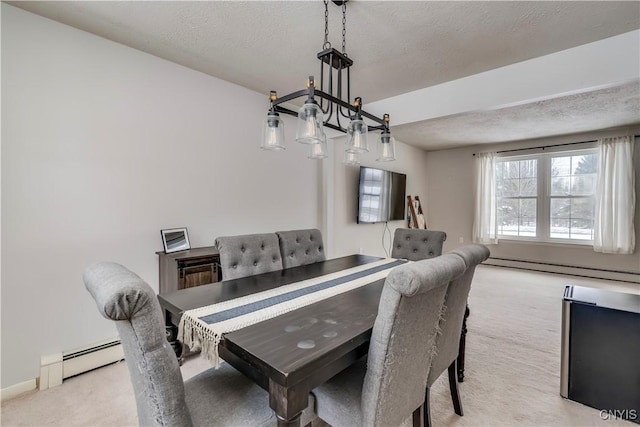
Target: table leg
{"x": 461, "y": 349}
{"x": 287, "y": 403}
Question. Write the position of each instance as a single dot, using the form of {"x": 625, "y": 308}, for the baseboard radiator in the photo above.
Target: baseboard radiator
{"x": 56, "y": 367}
{"x": 569, "y": 270}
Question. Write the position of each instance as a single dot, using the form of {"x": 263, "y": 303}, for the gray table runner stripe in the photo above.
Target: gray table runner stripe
{"x": 268, "y": 302}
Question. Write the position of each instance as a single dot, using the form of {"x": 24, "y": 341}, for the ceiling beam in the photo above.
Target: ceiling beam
{"x": 604, "y": 63}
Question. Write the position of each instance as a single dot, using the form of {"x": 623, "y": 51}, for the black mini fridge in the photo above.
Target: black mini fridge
{"x": 600, "y": 364}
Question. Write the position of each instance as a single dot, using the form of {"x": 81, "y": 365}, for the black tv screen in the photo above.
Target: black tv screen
{"x": 381, "y": 195}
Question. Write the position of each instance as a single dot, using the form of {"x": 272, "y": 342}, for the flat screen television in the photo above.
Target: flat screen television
{"x": 381, "y": 195}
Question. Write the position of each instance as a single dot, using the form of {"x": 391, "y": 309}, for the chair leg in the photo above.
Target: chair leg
{"x": 462, "y": 345}
{"x": 426, "y": 414}
{"x": 453, "y": 386}
{"x": 418, "y": 416}
{"x": 315, "y": 402}
{"x": 171, "y": 332}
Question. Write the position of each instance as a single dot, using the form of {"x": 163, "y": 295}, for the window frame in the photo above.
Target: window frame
{"x": 543, "y": 204}
{"x": 536, "y": 197}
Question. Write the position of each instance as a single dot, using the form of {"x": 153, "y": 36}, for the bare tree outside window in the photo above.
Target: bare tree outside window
{"x": 517, "y": 188}
{"x": 559, "y": 204}
{"x": 572, "y": 196}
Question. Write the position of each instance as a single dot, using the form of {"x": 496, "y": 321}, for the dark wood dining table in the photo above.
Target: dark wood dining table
{"x": 291, "y": 354}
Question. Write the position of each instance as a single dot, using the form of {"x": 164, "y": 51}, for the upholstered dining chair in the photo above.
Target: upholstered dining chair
{"x": 416, "y": 244}
{"x": 248, "y": 255}
{"x": 222, "y": 397}
{"x": 388, "y": 387}
{"x": 447, "y": 342}
{"x": 300, "y": 247}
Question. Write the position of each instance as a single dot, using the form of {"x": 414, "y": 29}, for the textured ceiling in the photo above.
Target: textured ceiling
{"x": 600, "y": 109}
{"x": 397, "y": 46}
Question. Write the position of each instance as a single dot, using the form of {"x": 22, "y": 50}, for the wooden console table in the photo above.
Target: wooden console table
{"x": 186, "y": 269}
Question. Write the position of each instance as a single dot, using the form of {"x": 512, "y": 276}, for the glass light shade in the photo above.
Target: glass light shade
{"x": 319, "y": 151}
{"x": 273, "y": 133}
{"x": 386, "y": 148}
{"x": 310, "y": 128}
{"x": 357, "y": 136}
{"x": 351, "y": 158}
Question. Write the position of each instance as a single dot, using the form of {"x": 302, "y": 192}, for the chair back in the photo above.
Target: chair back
{"x": 300, "y": 247}
{"x": 128, "y": 300}
{"x": 403, "y": 339}
{"x": 447, "y": 342}
{"x": 248, "y": 255}
{"x": 415, "y": 244}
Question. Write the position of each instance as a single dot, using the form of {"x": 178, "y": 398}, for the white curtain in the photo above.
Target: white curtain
{"x": 615, "y": 197}
{"x": 484, "y": 219}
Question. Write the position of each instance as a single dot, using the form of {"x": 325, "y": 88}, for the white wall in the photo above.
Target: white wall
{"x": 350, "y": 237}
{"x": 450, "y": 190}
{"x": 103, "y": 146}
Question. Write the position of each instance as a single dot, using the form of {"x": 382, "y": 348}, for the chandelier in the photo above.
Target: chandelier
{"x": 333, "y": 110}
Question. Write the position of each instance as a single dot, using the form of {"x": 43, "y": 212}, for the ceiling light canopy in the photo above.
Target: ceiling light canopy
{"x": 334, "y": 109}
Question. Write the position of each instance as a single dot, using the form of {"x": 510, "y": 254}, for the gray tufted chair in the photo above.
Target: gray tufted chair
{"x": 388, "y": 387}
{"x": 451, "y": 324}
{"x": 416, "y": 244}
{"x": 300, "y": 247}
{"x": 248, "y": 255}
{"x": 222, "y": 397}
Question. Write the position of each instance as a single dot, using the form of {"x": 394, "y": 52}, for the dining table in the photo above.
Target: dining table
{"x": 292, "y": 353}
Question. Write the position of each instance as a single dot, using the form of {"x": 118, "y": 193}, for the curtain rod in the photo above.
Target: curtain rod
{"x": 548, "y": 146}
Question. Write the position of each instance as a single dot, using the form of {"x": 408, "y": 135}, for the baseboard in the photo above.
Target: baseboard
{"x": 547, "y": 267}
{"x": 50, "y": 371}
{"x": 54, "y": 368}
{"x": 17, "y": 389}
{"x": 92, "y": 357}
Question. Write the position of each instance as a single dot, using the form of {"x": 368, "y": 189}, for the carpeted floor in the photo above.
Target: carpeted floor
{"x": 512, "y": 367}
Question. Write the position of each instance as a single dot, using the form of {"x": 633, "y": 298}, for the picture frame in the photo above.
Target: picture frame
{"x": 175, "y": 239}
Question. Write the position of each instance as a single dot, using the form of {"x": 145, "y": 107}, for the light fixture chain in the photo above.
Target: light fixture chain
{"x": 344, "y": 27}
{"x": 326, "y": 44}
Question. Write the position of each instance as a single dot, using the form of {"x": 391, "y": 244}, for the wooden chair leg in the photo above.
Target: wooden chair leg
{"x": 453, "y": 386}
{"x": 462, "y": 345}
{"x": 171, "y": 332}
{"x": 426, "y": 414}
{"x": 418, "y": 416}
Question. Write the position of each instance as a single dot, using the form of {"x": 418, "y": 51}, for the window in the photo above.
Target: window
{"x": 517, "y": 192}
{"x": 547, "y": 197}
{"x": 572, "y": 203}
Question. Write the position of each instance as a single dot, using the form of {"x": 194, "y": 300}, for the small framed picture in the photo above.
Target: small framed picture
{"x": 175, "y": 239}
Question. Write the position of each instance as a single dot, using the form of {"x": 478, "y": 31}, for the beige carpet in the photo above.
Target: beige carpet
{"x": 512, "y": 372}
